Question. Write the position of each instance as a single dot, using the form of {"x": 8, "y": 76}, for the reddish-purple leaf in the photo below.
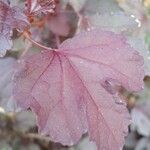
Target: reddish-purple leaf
{"x": 57, "y": 21}
{"x": 10, "y": 18}
{"x": 37, "y": 7}
{"x": 73, "y": 89}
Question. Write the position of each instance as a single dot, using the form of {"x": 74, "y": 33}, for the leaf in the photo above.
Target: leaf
{"x": 144, "y": 143}
{"x": 147, "y": 40}
{"x": 10, "y": 18}
{"x": 140, "y": 46}
{"x": 106, "y": 15}
{"x": 134, "y": 7}
{"x": 100, "y": 7}
{"x": 77, "y": 5}
{"x": 55, "y": 23}
{"x": 117, "y": 22}
{"x": 73, "y": 89}
{"x": 59, "y": 19}
{"x": 37, "y": 7}
{"x": 141, "y": 119}
{"x": 131, "y": 140}
{"x": 6, "y": 72}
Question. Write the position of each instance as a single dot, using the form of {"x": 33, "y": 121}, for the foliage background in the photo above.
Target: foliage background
{"x": 18, "y": 130}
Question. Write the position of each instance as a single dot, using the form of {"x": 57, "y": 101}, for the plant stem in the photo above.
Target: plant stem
{"x": 36, "y": 43}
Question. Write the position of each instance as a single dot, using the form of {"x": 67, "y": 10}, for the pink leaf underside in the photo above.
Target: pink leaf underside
{"x": 9, "y": 18}
{"x": 71, "y": 90}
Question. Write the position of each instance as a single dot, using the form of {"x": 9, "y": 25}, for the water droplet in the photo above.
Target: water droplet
{"x": 118, "y": 101}
{"x": 132, "y": 16}
{"x": 88, "y": 29}
{"x": 81, "y": 62}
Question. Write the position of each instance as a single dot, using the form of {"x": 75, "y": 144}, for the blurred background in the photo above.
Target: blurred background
{"x": 18, "y": 130}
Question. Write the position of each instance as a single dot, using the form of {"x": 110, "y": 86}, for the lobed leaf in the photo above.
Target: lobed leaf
{"x": 6, "y": 71}
{"x": 10, "y": 18}
{"x": 40, "y": 6}
{"x": 74, "y": 89}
